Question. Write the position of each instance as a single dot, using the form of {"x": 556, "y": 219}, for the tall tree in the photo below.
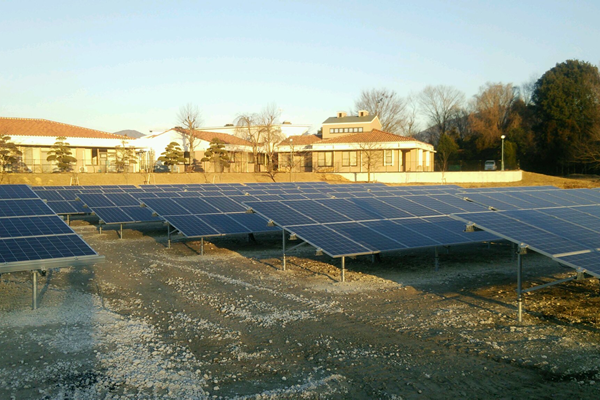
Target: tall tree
{"x": 388, "y": 106}
{"x": 216, "y": 154}
{"x": 172, "y": 155}
{"x": 440, "y": 104}
{"x": 190, "y": 120}
{"x": 271, "y": 135}
{"x": 246, "y": 127}
{"x": 567, "y": 107}
{"x": 371, "y": 156}
{"x": 493, "y": 114}
{"x": 446, "y": 149}
{"x": 60, "y": 153}
{"x": 9, "y": 152}
{"x": 124, "y": 156}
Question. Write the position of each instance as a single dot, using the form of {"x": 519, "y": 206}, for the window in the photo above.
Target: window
{"x": 349, "y": 159}
{"x": 388, "y": 157}
{"x": 325, "y": 159}
{"x": 360, "y": 129}
{"x": 250, "y": 158}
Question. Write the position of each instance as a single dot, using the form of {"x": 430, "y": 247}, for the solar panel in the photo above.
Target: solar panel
{"x": 434, "y": 204}
{"x": 224, "y": 224}
{"x": 367, "y": 237}
{"x": 164, "y": 207}
{"x": 414, "y": 209}
{"x": 62, "y": 207}
{"x": 50, "y": 195}
{"x": 43, "y": 248}
{"x": 16, "y": 192}
{"x": 349, "y": 209}
{"x": 196, "y": 205}
{"x": 316, "y": 211}
{"x": 32, "y": 226}
{"x": 140, "y": 214}
{"x": 381, "y": 208}
{"x": 122, "y": 199}
{"x": 224, "y": 204}
{"x": 191, "y": 226}
{"x": 254, "y": 222}
{"x": 24, "y": 207}
{"x": 95, "y": 200}
{"x": 330, "y": 241}
{"x": 112, "y": 215}
{"x": 284, "y": 215}
{"x": 426, "y": 228}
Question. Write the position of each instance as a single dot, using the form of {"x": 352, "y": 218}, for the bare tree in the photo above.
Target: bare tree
{"x": 493, "y": 114}
{"x": 440, "y": 105}
{"x": 270, "y": 133}
{"x": 387, "y": 105}
{"x": 190, "y": 120}
{"x": 527, "y": 88}
{"x": 411, "y": 126}
{"x": 246, "y": 127}
{"x": 371, "y": 156}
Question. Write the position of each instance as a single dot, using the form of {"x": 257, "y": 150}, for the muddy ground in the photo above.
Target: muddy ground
{"x": 153, "y": 322}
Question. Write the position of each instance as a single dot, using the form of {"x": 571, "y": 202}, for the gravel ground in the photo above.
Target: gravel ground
{"x": 153, "y": 322}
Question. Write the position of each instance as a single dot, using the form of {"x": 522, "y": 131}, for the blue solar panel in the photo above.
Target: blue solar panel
{"x": 366, "y": 236}
{"x": 316, "y": 211}
{"x": 32, "y": 226}
{"x": 62, "y": 207}
{"x": 487, "y": 200}
{"x": 349, "y": 209}
{"x": 434, "y": 204}
{"x": 536, "y": 198}
{"x": 432, "y": 231}
{"x": 196, "y": 205}
{"x": 254, "y": 222}
{"x": 191, "y": 226}
{"x": 224, "y": 204}
{"x": 16, "y": 192}
{"x": 43, "y": 248}
{"x": 140, "y": 214}
{"x": 25, "y": 207}
{"x": 330, "y": 241}
{"x": 282, "y": 214}
{"x": 459, "y": 202}
{"x": 414, "y": 209}
{"x": 458, "y": 228}
{"x": 122, "y": 199}
{"x": 381, "y": 208}
{"x": 589, "y": 261}
{"x": 50, "y": 195}
{"x": 95, "y": 200}
{"x": 400, "y": 233}
{"x": 112, "y": 215}
{"x": 165, "y": 207}
{"x": 224, "y": 224}
{"x": 518, "y": 231}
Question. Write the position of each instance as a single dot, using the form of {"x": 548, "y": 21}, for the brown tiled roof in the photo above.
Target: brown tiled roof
{"x": 223, "y": 137}
{"x": 300, "y": 140}
{"x": 43, "y": 127}
{"x": 374, "y": 136}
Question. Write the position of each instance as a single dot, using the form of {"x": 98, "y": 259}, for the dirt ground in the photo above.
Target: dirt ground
{"x": 153, "y": 322}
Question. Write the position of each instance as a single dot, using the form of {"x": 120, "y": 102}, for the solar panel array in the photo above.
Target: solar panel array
{"x": 358, "y": 226}
{"x": 63, "y": 199}
{"x": 117, "y": 208}
{"x": 32, "y": 236}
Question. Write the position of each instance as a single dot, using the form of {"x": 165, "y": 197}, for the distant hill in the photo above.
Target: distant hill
{"x": 130, "y": 133}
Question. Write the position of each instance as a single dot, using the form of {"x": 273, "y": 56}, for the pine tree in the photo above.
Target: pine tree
{"x": 9, "y": 153}
{"x": 172, "y": 155}
{"x": 60, "y": 153}
{"x": 217, "y": 155}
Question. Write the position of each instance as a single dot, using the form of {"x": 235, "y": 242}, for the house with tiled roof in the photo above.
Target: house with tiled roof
{"x": 238, "y": 150}
{"x": 93, "y": 149}
{"x": 355, "y": 144}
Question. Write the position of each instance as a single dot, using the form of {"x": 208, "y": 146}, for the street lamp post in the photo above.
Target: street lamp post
{"x": 503, "y": 137}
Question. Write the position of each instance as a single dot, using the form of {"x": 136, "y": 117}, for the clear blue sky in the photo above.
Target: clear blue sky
{"x": 113, "y": 65}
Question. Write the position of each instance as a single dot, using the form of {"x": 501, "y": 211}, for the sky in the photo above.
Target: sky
{"x": 115, "y": 65}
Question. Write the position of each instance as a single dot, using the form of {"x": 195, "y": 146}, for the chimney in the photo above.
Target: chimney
{"x": 341, "y": 114}
{"x": 363, "y": 113}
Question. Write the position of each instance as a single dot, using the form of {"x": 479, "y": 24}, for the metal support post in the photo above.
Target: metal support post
{"x": 437, "y": 259}
{"x": 201, "y": 246}
{"x": 34, "y": 290}
{"x": 343, "y": 269}
{"x": 168, "y": 235}
{"x": 68, "y": 219}
{"x": 283, "y": 249}
{"x": 100, "y": 228}
{"x": 121, "y": 234}
{"x": 520, "y": 287}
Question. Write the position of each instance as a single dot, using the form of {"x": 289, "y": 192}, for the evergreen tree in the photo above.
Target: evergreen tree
{"x": 566, "y": 102}
{"x": 60, "y": 153}
{"x": 124, "y": 157}
{"x": 9, "y": 153}
{"x": 446, "y": 149}
{"x": 217, "y": 155}
{"x": 172, "y": 155}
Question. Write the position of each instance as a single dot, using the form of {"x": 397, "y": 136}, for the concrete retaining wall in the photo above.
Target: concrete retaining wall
{"x": 437, "y": 177}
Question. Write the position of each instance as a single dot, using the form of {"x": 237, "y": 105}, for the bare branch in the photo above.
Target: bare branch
{"x": 440, "y": 105}
{"x": 387, "y": 105}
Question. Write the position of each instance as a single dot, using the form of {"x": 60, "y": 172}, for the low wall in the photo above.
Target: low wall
{"x": 437, "y": 177}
